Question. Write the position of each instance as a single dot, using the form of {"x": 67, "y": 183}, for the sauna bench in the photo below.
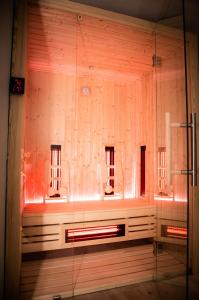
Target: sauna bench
{"x": 44, "y": 226}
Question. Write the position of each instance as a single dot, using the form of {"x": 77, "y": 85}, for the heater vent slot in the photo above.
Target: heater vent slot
{"x": 55, "y": 170}
{"x": 162, "y": 171}
{"x": 94, "y": 233}
{"x": 109, "y": 189}
{"x": 142, "y": 170}
{"x": 173, "y": 232}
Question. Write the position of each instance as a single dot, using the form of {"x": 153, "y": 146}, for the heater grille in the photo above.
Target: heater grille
{"x": 109, "y": 189}
{"x": 49, "y": 231}
{"x": 174, "y": 232}
{"x": 93, "y": 233}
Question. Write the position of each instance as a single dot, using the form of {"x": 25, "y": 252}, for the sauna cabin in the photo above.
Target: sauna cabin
{"x": 101, "y": 188}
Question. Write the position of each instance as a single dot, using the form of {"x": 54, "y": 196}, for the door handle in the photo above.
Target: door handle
{"x": 193, "y": 170}
{"x": 194, "y": 149}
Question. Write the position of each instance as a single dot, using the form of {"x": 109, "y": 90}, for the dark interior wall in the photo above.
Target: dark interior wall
{"x": 191, "y": 15}
{"x": 153, "y": 10}
{"x": 192, "y": 18}
{"x": 5, "y": 55}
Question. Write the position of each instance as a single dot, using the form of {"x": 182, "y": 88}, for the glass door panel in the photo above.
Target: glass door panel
{"x": 170, "y": 197}
{"x": 51, "y": 74}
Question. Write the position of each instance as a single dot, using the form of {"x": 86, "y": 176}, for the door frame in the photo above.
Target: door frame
{"x": 15, "y": 145}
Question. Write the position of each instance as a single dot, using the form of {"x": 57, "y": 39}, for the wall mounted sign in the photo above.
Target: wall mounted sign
{"x": 17, "y": 85}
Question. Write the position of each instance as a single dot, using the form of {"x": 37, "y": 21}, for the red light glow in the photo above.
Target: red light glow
{"x": 93, "y": 230}
{"x": 91, "y": 233}
{"x": 55, "y": 166}
{"x": 164, "y": 198}
{"x": 176, "y": 232}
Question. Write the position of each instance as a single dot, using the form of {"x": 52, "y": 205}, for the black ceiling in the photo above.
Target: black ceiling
{"x": 152, "y": 10}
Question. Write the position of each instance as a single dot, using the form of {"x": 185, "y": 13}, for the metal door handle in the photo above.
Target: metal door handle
{"x": 193, "y": 170}
{"x": 194, "y": 149}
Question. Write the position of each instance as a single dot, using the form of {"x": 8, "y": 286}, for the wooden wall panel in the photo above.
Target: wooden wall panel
{"x": 193, "y": 77}
{"x": 88, "y": 81}
{"x": 64, "y": 54}
{"x": 14, "y": 176}
{"x": 171, "y": 97}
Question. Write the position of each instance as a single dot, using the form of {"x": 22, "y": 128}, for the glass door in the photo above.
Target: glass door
{"x": 172, "y": 188}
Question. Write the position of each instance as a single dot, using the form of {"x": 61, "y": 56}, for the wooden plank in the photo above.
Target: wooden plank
{"x": 86, "y": 224}
{"x": 35, "y": 247}
{"x": 139, "y": 227}
{"x": 177, "y": 269}
{"x": 40, "y": 230}
{"x": 56, "y": 279}
{"x": 141, "y": 212}
{"x": 141, "y": 234}
{"x": 172, "y": 210}
{"x": 84, "y": 269}
{"x": 92, "y": 215}
{"x": 54, "y": 214}
{"x": 14, "y": 178}
{"x": 104, "y": 271}
{"x": 53, "y": 262}
{"x": 171, "y": 271}
{"x": 87, "y": 272}
{"x": 132, "y": 252}
{"x": 144, "y": 25}
{"x": 173, "y": 241}
{"x": 33, "y": 273}
{"x": 85, "y": 263}
{"x": 84, "y": 112}
{"x": 104, "y": 215}
{"x": 113, "y": 282}
{"x": 193, "y": 90}
{"x": 42, "y": 220}
{"x": 118, "y": 55}
{"x": 141, "y": 220}
{"x": 96, "y": 271}
{"x": 43, "y": 238}
{"x": 99, "y": 13}
{"x": 71, "y": 207}
{"x": 65, "y": 289}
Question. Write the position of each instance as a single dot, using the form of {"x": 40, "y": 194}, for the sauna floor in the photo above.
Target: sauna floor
{"x": 170, "y": 289}
{"x": 87, "y": 272}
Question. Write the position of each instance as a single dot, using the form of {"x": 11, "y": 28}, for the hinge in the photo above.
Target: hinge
{"x": 156, "y": 61}
{"x": 157, "y": 248}
{"x": 57, "y": 297}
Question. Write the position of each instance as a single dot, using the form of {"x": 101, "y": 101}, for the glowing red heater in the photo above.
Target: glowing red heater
{"x": 55, "y": 169}
{"x": 110, "y": 168}
{"x": 174, "y": 232}
{"x": 142, "y": 169}
{"x": 162, "y": 170}
{"x": 92, "y": 233}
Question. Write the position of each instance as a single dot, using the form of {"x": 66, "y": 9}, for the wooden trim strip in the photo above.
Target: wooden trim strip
{"x": 14, "y": 207}
{"x": 82, "y": 9}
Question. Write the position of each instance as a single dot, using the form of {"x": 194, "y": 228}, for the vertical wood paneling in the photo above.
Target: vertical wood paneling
{"x": 193, "y": 91}
{"x": 114, "y": 61}
{"x": 91, "y": 85}
{"x": 171, "y": 98}
{"x": 84, "y": 92}
{"x": 15, "y": 151}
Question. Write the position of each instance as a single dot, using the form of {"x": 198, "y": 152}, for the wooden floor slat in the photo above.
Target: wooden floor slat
{"x": 90, "y": 272}
{"x": 87, "y": 268}
{"x": 84, "y": 263}
{"x": 60, "y": 260}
